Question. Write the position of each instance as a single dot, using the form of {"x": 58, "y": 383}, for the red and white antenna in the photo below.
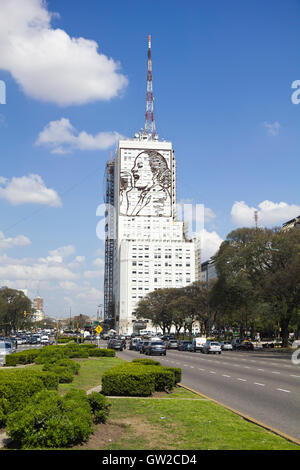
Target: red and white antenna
{"x": 149, "y": 121}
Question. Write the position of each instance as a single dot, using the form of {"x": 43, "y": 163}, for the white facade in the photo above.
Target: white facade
{"x": 151, "y": 250}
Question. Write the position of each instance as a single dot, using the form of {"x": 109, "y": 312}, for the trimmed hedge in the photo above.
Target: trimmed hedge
{"x": 51, "y": 421}
{"x": 128, "y": 381}
{"x": 102, "y": 352}
{"x": 64, "y": 368}
{"x": 22, "y": 357}
{"x": 99, "y": 406}
{"x": 147, "y": 362}
{"x": 139, "y": 378}
{"x": 18, "y": 386}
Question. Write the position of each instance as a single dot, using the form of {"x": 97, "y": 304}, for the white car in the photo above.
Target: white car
{"x": 226, "y": 345}
{"x": 212, "y": 347}
{"x": 44, "y": 339}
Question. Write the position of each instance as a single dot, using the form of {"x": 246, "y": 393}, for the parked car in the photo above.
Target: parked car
{"x": 156, "y": 347}
{"x": 172, "y": 344}
{"x": 33, "y": 340}
{"x": 6, "y": 347}
{"x": 138, "y": 345}
{"x": 197, "y": 344}
{"x": 143, "y": 346}
{"x": 226, "y": 346}
{"x": 114, "y": 343}
{"x": 184, "y": 345}
{"x": 44, "y": 339}
{"x": 245, "y": 345}
{"x": 236, "y": 342}
{"x": 133, "y": 342}
{"x": 211, "y": 347}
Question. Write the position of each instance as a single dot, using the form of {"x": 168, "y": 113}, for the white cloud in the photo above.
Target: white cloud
{"x": 48, "y": 64}
{"x": 98, "y": 262}
{"x": 28, "y": 190}
{"x": 210, "y": 243}
{"x": 62, "y": 138}
{"x": 273, "y": 129}
{"x": 269, "y": 213}
{"x": 36, "y": 271}
{"x": 6, "y": 243}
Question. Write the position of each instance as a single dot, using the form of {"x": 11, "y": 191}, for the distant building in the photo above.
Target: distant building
{"x": 293, "y": 223}
{"x": 38, "y": 306}
{"x": 208, "y": 271}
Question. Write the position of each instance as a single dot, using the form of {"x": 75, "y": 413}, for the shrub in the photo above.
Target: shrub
{"x": 102, "y": 352}
{"x": 128, "y": 381}
{"x": 50, "y": 354}
{"x": 51, "y": 421}
{"x": 19, "y": 390}
{"x": 99, "y": 406}
{"x": 177, "y": 373}
{"x": 64, "y": 363}
{"x": 163, "y": 379}
{"x": 22, "y": 357}
{"x": 147, "y": 362}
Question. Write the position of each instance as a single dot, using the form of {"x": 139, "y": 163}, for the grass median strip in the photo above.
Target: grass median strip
{"x": 179, "y": 420}
{"x": 182, "y": 424}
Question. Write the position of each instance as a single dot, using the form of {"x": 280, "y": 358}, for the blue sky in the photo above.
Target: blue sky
{"x": 222, "y": 76}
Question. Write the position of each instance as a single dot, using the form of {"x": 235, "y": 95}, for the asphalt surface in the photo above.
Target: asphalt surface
{"x": 262, "y": 385}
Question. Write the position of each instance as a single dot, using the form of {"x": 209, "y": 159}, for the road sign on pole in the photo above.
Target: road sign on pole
{"x": 98, "y": 329}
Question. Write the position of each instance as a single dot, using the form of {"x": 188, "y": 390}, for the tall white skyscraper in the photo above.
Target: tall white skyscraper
{"x": 145, "y": 247}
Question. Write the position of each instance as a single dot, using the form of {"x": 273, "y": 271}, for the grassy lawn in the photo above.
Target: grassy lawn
{"x": 181, "y": 424}
{"x": 90, "y": 373}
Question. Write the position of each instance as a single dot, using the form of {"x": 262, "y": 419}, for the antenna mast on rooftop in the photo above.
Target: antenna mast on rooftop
{"x": 149, "y": 121}
{"x": 256, "y": 218}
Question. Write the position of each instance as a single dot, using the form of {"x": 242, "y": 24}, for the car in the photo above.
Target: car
{"x": 245, "y": 345}
{"x": 197, "y": 344}
{"x": 138, "y": 345}
{"x": 114, "y": 343}
{"x": 211, "y": 347}
{"x": 184, "y": 345}
{"x": 143, "y": 346}
{"x": 44, "y": 339}
{"x": 6, "y": 347}
{"x": 133, "y": 342}
{"x": 156, "y": 347}
{"x": 33, "y": 340}
{"x": 172, "y": 344}
{"x": 226, "y": 345}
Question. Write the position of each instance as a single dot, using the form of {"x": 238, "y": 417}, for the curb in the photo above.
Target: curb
{"x": 246, "y": 417}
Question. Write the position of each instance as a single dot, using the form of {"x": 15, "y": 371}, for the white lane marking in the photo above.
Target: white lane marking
{"x": 242, "y": 380}
{"x": 275, "y": 372}
{"x": 295, "y": 376}
{"x": 282, "y": 390}
{"x": 224, "y": 375}
{"x": 257, "y": 383}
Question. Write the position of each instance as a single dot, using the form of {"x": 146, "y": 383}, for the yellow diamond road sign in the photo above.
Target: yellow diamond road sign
{"x": 99, "y": 329}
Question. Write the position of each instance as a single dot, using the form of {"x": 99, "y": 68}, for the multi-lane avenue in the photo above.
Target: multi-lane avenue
{"x": 262, "y": 385}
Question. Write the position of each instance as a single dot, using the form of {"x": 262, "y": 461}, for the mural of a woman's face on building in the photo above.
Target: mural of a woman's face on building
{"x": 141, "y": 171}
{"x": 152, "y": 182}
{"x": 151, "y": 168}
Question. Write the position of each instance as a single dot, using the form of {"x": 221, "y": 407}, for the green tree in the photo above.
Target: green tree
{"x": 16, "y": 308}
{"x": 258, "y": 267}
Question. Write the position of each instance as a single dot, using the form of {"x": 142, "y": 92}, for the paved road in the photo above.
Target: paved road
{"x": 262, "y": 385}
